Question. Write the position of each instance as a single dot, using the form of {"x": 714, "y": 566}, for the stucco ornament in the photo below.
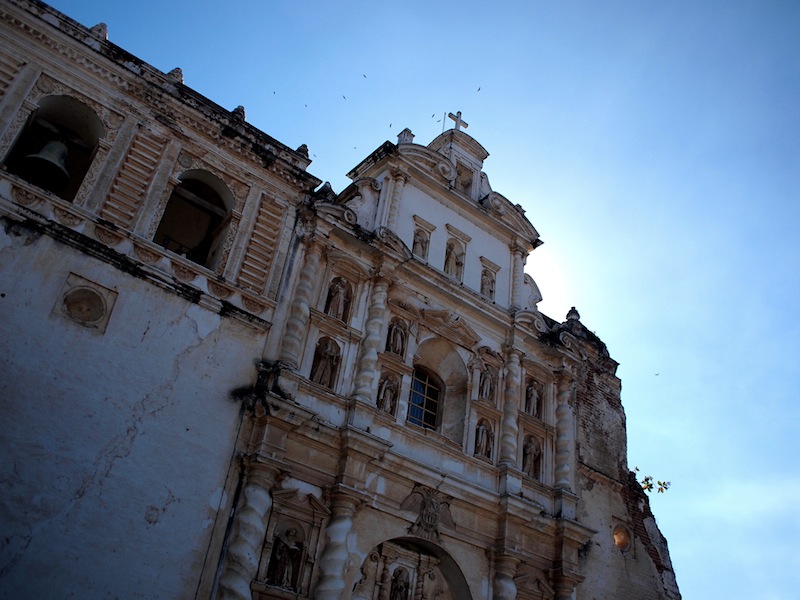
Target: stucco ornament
{"x": 433, "y": 508}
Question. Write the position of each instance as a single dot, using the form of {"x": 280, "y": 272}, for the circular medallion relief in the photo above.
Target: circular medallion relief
{"x": 622, "y": 538}
{"x": 84, "y": 305}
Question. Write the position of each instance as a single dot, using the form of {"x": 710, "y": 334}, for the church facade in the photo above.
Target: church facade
{"x": 223, "y": 379}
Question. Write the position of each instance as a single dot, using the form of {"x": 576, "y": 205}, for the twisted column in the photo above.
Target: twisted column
{"x": 366, "y": 371}
{"x": 504, "y": 586}
{"x": 297, "y": 322}
{"x": 563, "y": 457}
{"x": 333, "y": 561}
{"x": 509, "y": 427}
{"x": 249, "y": 528}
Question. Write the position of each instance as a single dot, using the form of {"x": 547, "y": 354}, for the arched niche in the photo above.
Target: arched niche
{"x": 440, "y": 356}
{"x": 57, "y": 145}
{"x": 430, "y": 569}
{"x": 196, "y": 218}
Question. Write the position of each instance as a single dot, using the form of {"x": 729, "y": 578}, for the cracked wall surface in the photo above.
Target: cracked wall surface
{"x": 137, "y": 418}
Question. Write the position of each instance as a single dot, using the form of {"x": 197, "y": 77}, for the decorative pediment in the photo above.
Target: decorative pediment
{"x": 533, "y": 319}
{"x": 393, "y": 241}
{"x": 337, "y": 212}
{"x": 428, "y": 160}
{"x": 451, "y": 326}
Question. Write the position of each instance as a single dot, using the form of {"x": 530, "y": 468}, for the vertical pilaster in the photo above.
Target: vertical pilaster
{"x": 376, "y": 314}
{"x": 564, "y": 431}
{"x": 517, "y": 275}
{"x": 510, "y": 428}
{"x": 249, "y": 528}
{"x": 399, "y": 178}
{"x": 297, "y": 322}
{"x": 333, "y": 562}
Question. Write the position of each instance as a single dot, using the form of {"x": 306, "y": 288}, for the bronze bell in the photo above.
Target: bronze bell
{"x": 48, "y": 166}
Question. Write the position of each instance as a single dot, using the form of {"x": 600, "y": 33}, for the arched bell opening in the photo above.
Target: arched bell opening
{"x": 56, "y": 146}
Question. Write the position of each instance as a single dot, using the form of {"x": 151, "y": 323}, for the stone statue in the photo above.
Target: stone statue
{"x": 325, "y": 363}
{"x": 387, "y": 394}
{"x": 400, "y": 585}
{"x": 487, "y": 283}
{"x": 531, "y": 398}
{"x": 281, "y": 566}
{"x": 450, "y": 259}
{"x": 396, "y": 340}
{"x": 531, "y": 457}
{"x": 486, "y": 386}
{"x": 420, "y": 247}
{"x": 484, "y": 439}
{"x": 337, "y": 299}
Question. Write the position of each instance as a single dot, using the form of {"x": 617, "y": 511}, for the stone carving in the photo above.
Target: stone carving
{"x": 182, "y": 272}
{"x": 25, "y": 197}
{"x": 253, "y": 306}
{"x": 420, "y": 246}
{"x": 338, "y": 303}
{"x": 532, "y": 398}
{"x": 400, "y": 584}
{"x": 451, "y": 259}
{"x": 486, "y": 386}
{"x": 484, "y": 439}
{"x": 146, "y": 255}
{"x": 433, "y": 508}
{"x": 396, "y": 338}
{"x": 106, "y": 236}
{"x": 487, "y": 283}
{"x": 387, "y": 393}
{"x": 326, "y": 359}
{"x": 282, "y": 564}
{"x": 532, "y": 457}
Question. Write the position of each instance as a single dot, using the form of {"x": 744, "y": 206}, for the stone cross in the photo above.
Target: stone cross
{"x": 457, "y": 118}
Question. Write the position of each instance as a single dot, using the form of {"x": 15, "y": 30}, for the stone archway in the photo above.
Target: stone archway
{"x": 410, "y": 569}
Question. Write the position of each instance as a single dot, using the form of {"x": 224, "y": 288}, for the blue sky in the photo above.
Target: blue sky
{"x": 656, "y": 148}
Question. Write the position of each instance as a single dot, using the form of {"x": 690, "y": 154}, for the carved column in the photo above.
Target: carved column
{"x": 333, "y": 562}
{"x": 510, "y": 428}
{"x": 297, "y": 322}
{"x": 400, "y": 177}
{"x": 517, "y": 275}
{"x": 504, "y": 586}
{"x": 564, "y": 437}
{"x": 366, "y": 371}
{"x": 249, "y": 528}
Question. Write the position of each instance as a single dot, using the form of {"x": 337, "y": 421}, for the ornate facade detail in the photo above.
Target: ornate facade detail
{"x": 433, "y": 509}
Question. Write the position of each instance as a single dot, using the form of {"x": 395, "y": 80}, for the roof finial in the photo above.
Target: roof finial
{"x": 459, "y": 123}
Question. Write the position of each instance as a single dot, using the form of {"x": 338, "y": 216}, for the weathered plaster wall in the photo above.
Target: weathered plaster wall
{"x": 116, "y": 445}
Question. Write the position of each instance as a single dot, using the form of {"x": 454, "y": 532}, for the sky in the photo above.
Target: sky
{"x": 655, "y": 146}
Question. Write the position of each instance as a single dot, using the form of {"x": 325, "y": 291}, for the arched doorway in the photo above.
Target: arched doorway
{"x": 410, "y": 569}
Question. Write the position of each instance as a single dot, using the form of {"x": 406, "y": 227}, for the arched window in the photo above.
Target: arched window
{"x": 196, "y": 218}
{"x": 425, "y": 399}
{"x": 56, "y": 147}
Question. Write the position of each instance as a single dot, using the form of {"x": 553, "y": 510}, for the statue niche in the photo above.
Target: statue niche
{"x": 532, "y": 458}
{"x": 326, "y": 362}
{"x": 484, "y": 439}
{"x": 533, "y": 398}
{"x": 396, "y": 338}
{"x": 388, "y": 389}
{"x": 340, "y": 297}
{"x": 284, "y": 561}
